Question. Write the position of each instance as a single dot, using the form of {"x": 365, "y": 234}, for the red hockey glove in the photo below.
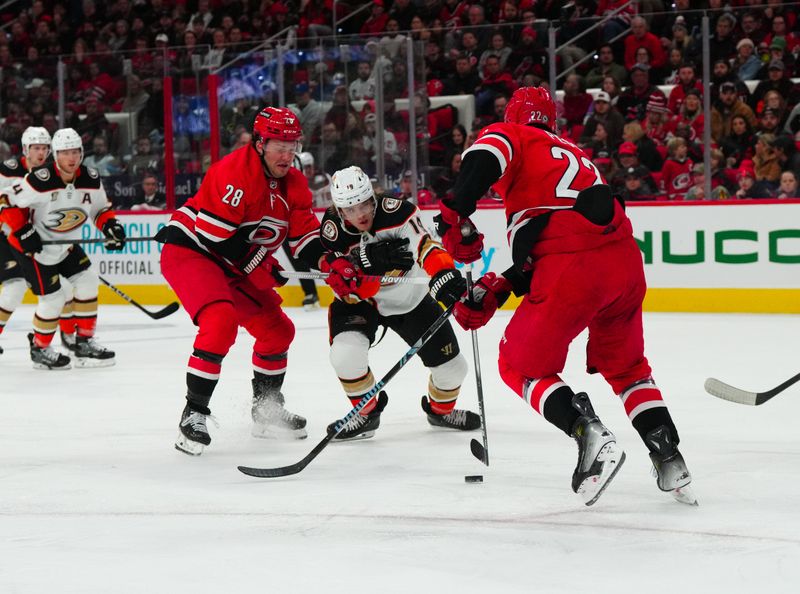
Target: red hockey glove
{"x": 459, "y": 235}
{"x": 262, "y": 269}
{"x": 343, "y": 277}
{"x": 489, "y": 293}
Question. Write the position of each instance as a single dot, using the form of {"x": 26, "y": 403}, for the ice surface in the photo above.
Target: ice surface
{"x": 93, "y": 497}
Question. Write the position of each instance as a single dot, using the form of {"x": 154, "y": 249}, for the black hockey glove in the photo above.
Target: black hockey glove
{"x": 115, "y": 235}
{"x": 389, "y": 254}
{"x": 29, "y": 239}
{"x": 448, "y": 286}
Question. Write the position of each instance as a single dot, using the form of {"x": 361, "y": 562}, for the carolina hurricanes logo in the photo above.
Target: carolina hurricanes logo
{"x": 269, "y": 232}
{"x": 65, "y": 220}
{"x": 682, "y": 181}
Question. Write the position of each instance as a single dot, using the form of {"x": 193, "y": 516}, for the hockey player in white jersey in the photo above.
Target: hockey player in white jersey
{"x": 384, "y": 236}
{"x": 60, "y": 198}
{"x": 35, "y": 150}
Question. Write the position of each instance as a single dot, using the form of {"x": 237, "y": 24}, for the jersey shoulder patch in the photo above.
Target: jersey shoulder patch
{"x": 393, "y": 212}
{"x": 12, "y": 168}
{"x": 87, "y": 178}
{"x": 44, "y": 179}
{"x": 334, "y": 235}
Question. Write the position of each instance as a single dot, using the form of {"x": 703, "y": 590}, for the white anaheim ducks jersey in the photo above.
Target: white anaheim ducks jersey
{"x": 394, "y": 219}
{"x": 59, "y": 210}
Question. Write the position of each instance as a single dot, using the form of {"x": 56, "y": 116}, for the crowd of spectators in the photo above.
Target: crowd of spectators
{"x": 635, "y": 105}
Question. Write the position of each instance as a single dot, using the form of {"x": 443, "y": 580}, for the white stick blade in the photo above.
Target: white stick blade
{"x": 726, "y": 392}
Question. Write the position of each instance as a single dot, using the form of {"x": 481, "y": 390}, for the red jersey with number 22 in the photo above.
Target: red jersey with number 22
{"x": 539, "y": 170}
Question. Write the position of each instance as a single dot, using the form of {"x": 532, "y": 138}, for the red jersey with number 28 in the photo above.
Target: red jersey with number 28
{"x": 539, "y": 170}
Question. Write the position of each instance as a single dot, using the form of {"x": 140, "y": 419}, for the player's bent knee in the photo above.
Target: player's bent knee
{"x": 50, "y": 305}
{"x": 217, "y": 327}
{"x": 12, "y": 293}
{"x": 451, "y": 374}
{"x": 84, "y": 285}
{"x": 513, "y": 378}
{"x": 349, "y": 354}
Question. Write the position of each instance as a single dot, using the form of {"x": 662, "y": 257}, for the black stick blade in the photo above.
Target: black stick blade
{"x": 478, "y": 451}
{"x": 272, "y": 472}
{"x": 167, "y": 311}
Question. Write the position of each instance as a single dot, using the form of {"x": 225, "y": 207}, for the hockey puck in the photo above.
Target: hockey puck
{"x": 473, "y": 478}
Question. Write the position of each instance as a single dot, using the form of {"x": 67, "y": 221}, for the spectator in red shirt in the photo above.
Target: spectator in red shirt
{"x": 641, "y": 37}
{"x": 495, "y": 82}
{"x": 686, "y": 81}
{"x": 676, "y": 172}
{"x": 376, "y": 23}
{"x": 576, "y": 100}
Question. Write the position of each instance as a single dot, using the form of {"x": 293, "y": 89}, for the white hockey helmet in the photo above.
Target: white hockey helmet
{"x": 34, "y": 135}
{"x": 306, "y": 159}
{"x": 66, "y": 139}
{"x": 350, "y": 186}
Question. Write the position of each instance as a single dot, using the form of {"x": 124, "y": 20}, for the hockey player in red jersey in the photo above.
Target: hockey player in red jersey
{"x": 60, "y": 197}
{"x": 219, "y": 260}
{"x": 578, "y": 266}
{"x": 384, "y": 236}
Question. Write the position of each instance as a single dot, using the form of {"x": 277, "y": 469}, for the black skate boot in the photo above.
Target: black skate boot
{"x": 68, "y": 341}
{"x": 90, "y": 353}
{"x": 47, "y": 357}
{"x": 462, "y": 420}
{"x": 362, "y": 426}
{"x": 599, "y": 456}
{"x": 310, "y": 302}
{"x": 669, "y": 467}
{"x": 193, "y": 436}
{"x": 271, "y": 420}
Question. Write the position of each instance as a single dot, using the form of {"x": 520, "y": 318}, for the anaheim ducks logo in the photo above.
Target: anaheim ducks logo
{"x": 330, "y": 231}
{"x": 11, "y": 163}
{"x": 65, "y": 220}
{"x": 391, "y": 204}
{"x": 42, "y": 173}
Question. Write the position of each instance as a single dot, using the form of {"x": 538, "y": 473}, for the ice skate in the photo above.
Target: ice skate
{"x": 47, "y": 357}
{"x": 90, "y": 353}
{"x": 193, "y": 436}
{"x": 362, "y": 426}
{"x": 599, "y": 456}
{"x": 272, "y": 421}
{"x": 459, "y": 419}
{"x": 669, "y": 467}
{"x": 310, "y": 302}
{"x": 68, "y": 341}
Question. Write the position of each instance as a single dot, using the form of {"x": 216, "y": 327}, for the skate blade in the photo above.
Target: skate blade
{"x": 592, "y": 487}
{"x": 359, "y": 437}
{"x": 685, "y": 495}
{"x": 86, "y": 363}
{"x": 187, "y": 446}
{"x": 48, "y": 368}
{"x": 273, "y": 432}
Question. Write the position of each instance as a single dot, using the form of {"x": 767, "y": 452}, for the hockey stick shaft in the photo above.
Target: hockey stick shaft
{"x": 481, "y": 452}
{"x": 92, "y": 240}
{"x": 340, "y": 425}
{"x": 727, "y": 392}
{"x": 400, "y": 280}
{"x": 157, "y": 315}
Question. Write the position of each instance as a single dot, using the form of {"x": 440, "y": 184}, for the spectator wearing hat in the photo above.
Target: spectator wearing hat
{"x": 635, "y": 186}
{"x": 656, "y": 124}
{"x": 777, "y": 80}
{"x": 721, "y": 73}
{"x": 641, "y": 37}
{"x": 309, "y": 111}
{"x": 603, "y": 114}
{"x": 675, "y": 174}
{"x": 697, "y": 190}
{"x": 605, "y": 66}
{"x": 680, "y": 14}
{"x": 748, "y": 186}
{"x": 765, "y": 161}
{"x": 746, "y": 65}
{"x": 725, "y": 109}
{"x": 528, "y": 56}
{"x": 681, "y": 37}
{"x": 769, "y": 121}
{"x": 632, "y": 102}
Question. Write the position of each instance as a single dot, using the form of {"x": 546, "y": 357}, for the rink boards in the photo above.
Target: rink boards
{"x": 739, "y": 256}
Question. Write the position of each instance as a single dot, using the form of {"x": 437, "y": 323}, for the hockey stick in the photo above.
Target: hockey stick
{"x": 340, "y": 425}
{"x": 92, "y": 240}
{"x": 481, "y": 452}
{"x": 161, "y": 313}
{"x": 728, "y": 392}
{"x": 398, "y": 280}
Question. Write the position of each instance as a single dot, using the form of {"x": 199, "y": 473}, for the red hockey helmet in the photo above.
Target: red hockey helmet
{"x": 279, "y": 123}
{"x": 531, "y": 105}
